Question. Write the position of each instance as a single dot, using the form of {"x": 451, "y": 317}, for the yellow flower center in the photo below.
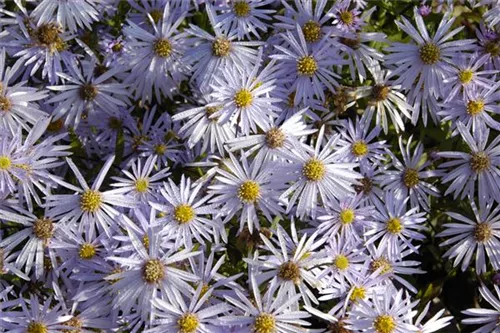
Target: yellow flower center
{"x": 188, "y": 323}
{"x": 430, "y": 53}
{"x": 5, "y": 162}
{"x": 249, "y": 191}
{"x": 312, "y": 31}
{"x": 90, "y": 201}
{"x": 141, "y": 185}
{"x": 358, "y": 293}
{"x": 43, "y": 229}
{"x": 264, "y": 323}
{"x": 160, "y": 149}
{"x": 74, "y": 322}
{"x": 475, "y": 107}
{"x": 479, "y": 162}
{"x": 346, "y": 17}
{"x": 145, "y": 241}
{"x": 275, "y": 138}
{"x": 183, "y": 213}
{"x": 162, "y": 48}
{"x": 384, "y": 324}
{"x": 380, "y": 92}
{"x": 307, "y": 66}
{"x": 359, "y": 148}
{"x": 156, "y": 15}
{"x": 381, "y": 263}
{"x": 289, "y": 271}
{"x": 243, "y": 98}
{"x": 341, "y": 262}
{"x": 153, "y": 271}
{"x": 48, "y": 35}
{"x": 465, "y": 76}
{"x": 493, "y": 48}
{"x": 5, "y": 104}
{"x": 37, "y": 327}
{"x": 346, "y": 216}
{"x": 482, "y": 232}
{"x": 88, "y": 92}
{"x": 314, "y": 170}
{"x": 221, "y": 47}
{"x": 410, "y": 178}
{"x": 241, "y": 8}
{"x": 87, "y": 251}
{"x": 394, "y": 225}
{"x": 204, "y": 289}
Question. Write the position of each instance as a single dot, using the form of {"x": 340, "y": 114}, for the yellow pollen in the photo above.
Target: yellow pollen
{"x": 43, "y": 229}
{"x": 156, "y": 15}
{"x": 210, "y": 110}
{"x": 243, "y": 98}
{"x": 145, "y": 241}
{"x": 204, "y": 289}
{"x": 188, "y": 323}
{"x": 289, "y": 271}
{"x": 48, "y": 35}
{"x": 141, "y": 185}
{"x": 312, "y": 31}
{"x": 221, "y": 47}
{"x": 359, "y": 148}
{"x": 162, "y": 48}
{"x": 465, "y": 76}
{"x": 482, "y": 232}
{"x": 384, "y": 324}
{"x": 346, "y": 216}
{"x": 37, "y": 327}
{"x": 380, "y": 92}
{"x": 475, "y": 107}
{"x": 117, "y": 47}
{"x": 314, "y": 170}
{"x": 430, "y": 53}
{"x": 307, "y": 66}
{"x": 275, "y": 138}
{"x": 5, "y": 162}
{"x": 5, "y": 104}
{"x": 88, "y": 92}
{"x": 358, "y": 293}
{"x": 73, "y": 322}
{"x": 249, "y": 191}
{"x": 264, "y": 323}
{"x": 90, "y": 201}
{"x": 341, "y": 262}
{"x": 346, "y": 17}
{"x": 184, "y": 213}
{"x": 479, "y": 162}
{"x": 410, "y": 178}
{"x": 241, "y": 8}
{"x": 160, "y": 149}
{"x": 87, "y": 251}
{"x": 153, "y": 271}
{"x": 394, "y": 225}
{"x": 381, "y": 263}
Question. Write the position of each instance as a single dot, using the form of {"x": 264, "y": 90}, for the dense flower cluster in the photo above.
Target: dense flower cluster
{"x": 253, "y": 166}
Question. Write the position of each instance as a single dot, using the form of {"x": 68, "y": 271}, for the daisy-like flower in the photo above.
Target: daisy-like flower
{"x": 244, "y": 97}
{"x": 434, "y": 324}
{"x": 319, "y": 172}
{"x": 209, "y": 54}
{"x": 480, "y": 235}
{"x": 245, "y": 17}
{"x": 16, "y": 102}
{"x": 92, "y": 208}
{"x": 487, "y": 318}
{"x": 87, "y": 94}
{"x": 187, "y": 214}
{"x": 345, "y": 19}
{"x": 386, "y": 313}
{"x": 155, "y": 57}
{"x": 309, "y": 72}
{"x": 267, "y": 313}
{"x": 489, "y": 45}
{"x": 481, "y": 165}
{"x": 69, "y": 14}
{"x": 429, "y": 58}
{"x": 407, "y": 181}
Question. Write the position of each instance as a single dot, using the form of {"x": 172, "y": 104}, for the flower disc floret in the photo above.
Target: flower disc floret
{"x": 249, "y": 191}
{"x": 87, "y": 251}
{"x": 475, "y": 107}
{"x": 5, "y": 162}
{"x": 74, "y": 322}
{"x": 359, "y": 148}
{"x": 341, "y": 262}
{"x": 275, "y": 138}
{"x": 37, "y": 327}
{"x": 410, "y": 178}
{"x": 188, "y": 323}
{"x": 156, "y": 15}
{"x": 88, "y": 92}
{"x": 314, "y": 170}
{"x": 5, "y": 104}
{"x": 465, "y": 76}
{"x": 264, "y": 323}
{"x": 312, "y": 31}
{"x": 479, "y": 162}
{"x": 142, "y": 185}
{"x": 241, "y": 8}
{"x": 243, "y": 98}
{"x": 358, "y": 293}
{"x": 346, "y": 17}
{"x": 48, "y": 35}
{"x": 384, "y": 324}
{"x": 43, "y": 229}
{"x": 221, "y": 47}
{"x": 162, "y": 48}
{"x": 482, "y": 232}
{"x": 382, "y": 263}
{"x": 289, "y": 271}
{"x": 394, "y": 225}
{"x": 493, "y": 48}
{"x": 380, "y": 92}
{"x": 430, "y": 53}
{"x": 346, "y": 216}
{"x": 153, "y": 271}
{"x": 90, "y": 201}
{"x": 183, "y": 213}
{"x": 307, "y": 66}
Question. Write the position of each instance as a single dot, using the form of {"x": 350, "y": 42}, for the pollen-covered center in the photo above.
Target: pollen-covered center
{"x": 87, "y": 251}
{"x": 289, "y": 271}
{"x": 384, "y": 324}
{"x": 359, "y": 148}
{"x": 5, "y": 104}
{"x": 307, "y": 66}
{"x": 5, "y": 162}
{"x": 162, "y": 48}
{"x": 156, "y": 15}
{"x": 264, "y": 323}
{"x": 211, "y": 110}
{"x": 88, "y": 92}
{"x": 380, "y": 92}
{"x": 243, "y": 98}
{"x": 249, "y": 191}
{"x": 37, "y": 327}
{"x": 90, "y": 201}
{"x": 48, "y": 35}
{"x": 141, "y": 185}
{"x": 482, "y": 232}
{"x": 341, "y": 262}
{"x": 74, "y": 322}
{"x": 160, "y": 148}
{"x": 394, "y": 225}
{"x": 241, "y": 8}
{"x": 275, "y": 138}
{"x": 221, "y": 47}
{"x": 465, "y": 76}
{"x": 358, "y": 294}
{"x": 183, "y": 213}
{"x": 346, "y": 216}
{"x": 475, "y": 107}
{"x": 153, "y": 271}
{"x": 410, "y": 177}
{"x": 381, "y": 263}
{"x": 188, "y": 323}
{"x": 346, "y": 17}
{"x": 312, "y": 31}
{"x": 493, "y": 48}
{"x": 479, "y": 161}
{"x": 430, "y": 53}
{"x": 314, "y": 170}
{"x": 43, "y": 229}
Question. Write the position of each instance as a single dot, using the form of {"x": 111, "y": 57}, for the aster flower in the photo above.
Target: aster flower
{"x": 345, "y": 19}
{"x": 69, "y": 14}
{"x": 487, "y": 318}
{"x": 468, "y": 236}
{"x": 489, "y": 45}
